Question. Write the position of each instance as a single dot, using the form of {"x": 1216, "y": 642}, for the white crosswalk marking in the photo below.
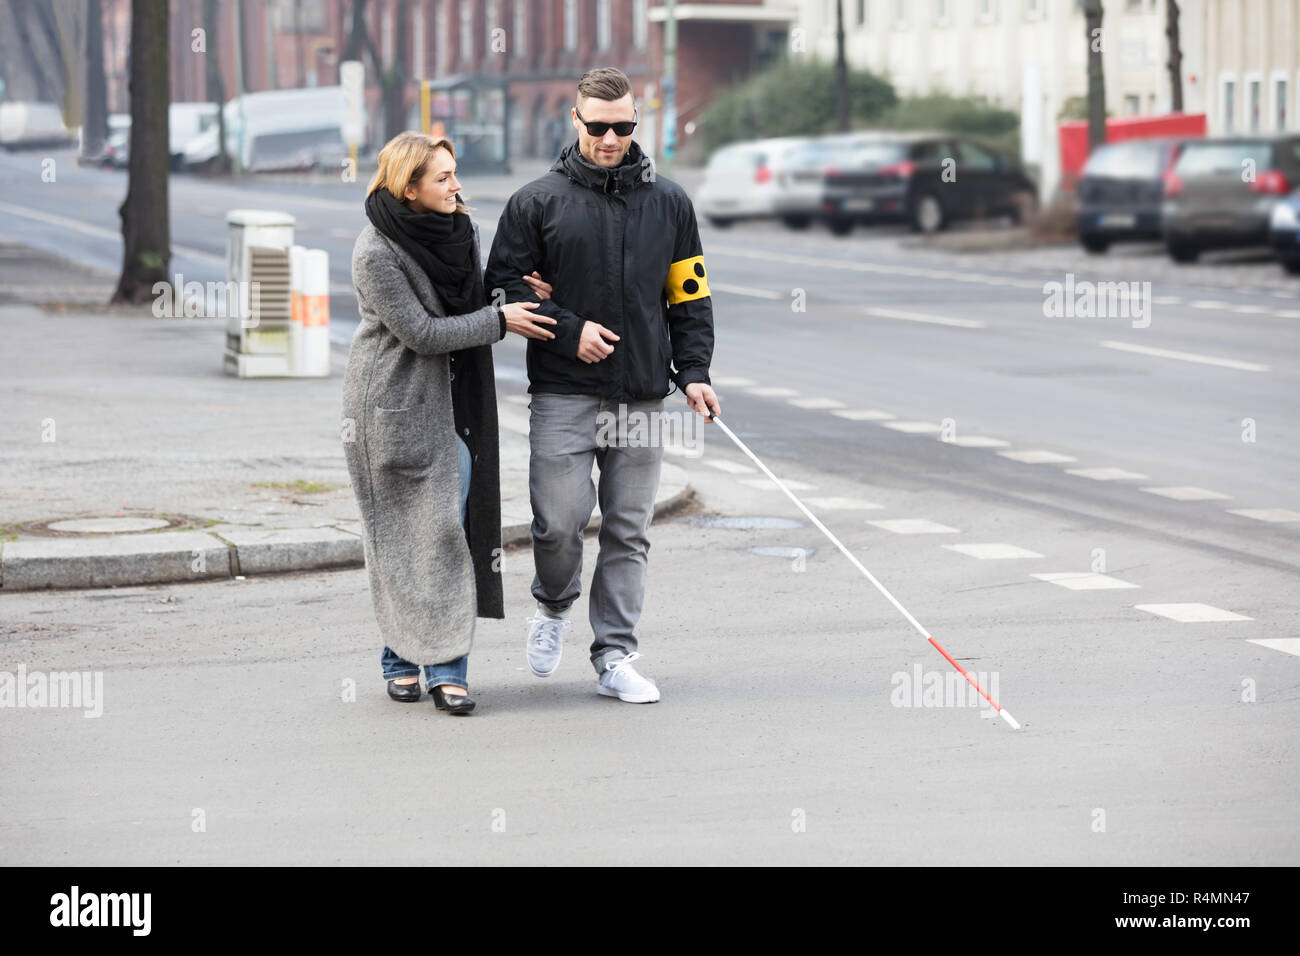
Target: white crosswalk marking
{"x": 772, "y": 391}
{"x": 732, "y": 381}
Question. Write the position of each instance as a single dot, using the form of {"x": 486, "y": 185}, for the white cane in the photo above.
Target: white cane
{"x": 870, "y": 577}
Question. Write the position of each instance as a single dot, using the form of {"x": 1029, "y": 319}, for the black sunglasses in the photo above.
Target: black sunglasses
{"x": 599, "y": 129}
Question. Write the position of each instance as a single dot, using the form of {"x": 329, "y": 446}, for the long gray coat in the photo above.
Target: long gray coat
{"x": 400, "y": 443}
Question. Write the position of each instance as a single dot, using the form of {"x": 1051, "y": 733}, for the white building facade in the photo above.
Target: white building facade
{"x": 1028, "y": 56}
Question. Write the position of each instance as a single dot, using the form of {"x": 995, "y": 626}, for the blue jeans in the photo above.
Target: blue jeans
{"x": 452, "y": 672}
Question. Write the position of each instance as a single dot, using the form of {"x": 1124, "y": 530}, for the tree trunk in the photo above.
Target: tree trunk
{"x": 358, "y": 38}
{"x": 214, "y": 87}
{"x": 146, "y": 231}
{"x": 841, "y": 72}
{"x": 96, "y": 128}
{"x": 394, "y": 81}
{"x": 1096, "y": 80}
{"x": 1175, "y": 57}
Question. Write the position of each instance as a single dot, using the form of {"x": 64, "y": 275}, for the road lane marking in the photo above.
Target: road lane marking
{"x": 733, "y": 381}
{"x": 921, "y": 317}
{"x": 1186, "y": 493}
{"x": 977, "y": 441}
{"x": 992, "y": 552}
{"x": 746, "y": 290}
{"x": 765, "y": 484}
{"x": 913, "y": 526}
{"x": 99, "y": 232}
{"x": 1192, "y": 613}
{"x": 730, "y": 467}
{"x": 1104, "y": 474}
{"x": 1083, "y": 580}
{"x": 912, "y": 428}
{"x": 772, "y": 391}
{"x": 843, "y": 504}
{"x": 816, "y": 403}
{"x": 1185, "y": 356}
{"x": 1288, "y": 645}
{"x": 863, "y": 414}
{"x": 1037, "y": 457}
{"x": 1274, "y": 515}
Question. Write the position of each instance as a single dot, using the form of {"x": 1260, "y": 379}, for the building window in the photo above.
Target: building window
{"x": 439, "y": 39}
{"x": 1132, "y": 104}
{"x": 490, "y": 23}
{"x": 1254, "y": 104}
{"x": 987, "y": 10}
{"x": 640, "y": 20}
{"x": 941, "y": 12}
{"x": 602, "y": 25}
{"x": 900, "y": 14}
{"x": 1033, "y": 9}
{"x": 520, "y": 40}
{"x": 466, "y": 31}
{"x": 570, "y": 25}
{"x": 861, "y": 13}
{"x": 1227, "y": 105}
{"x": 1279, "y": 102}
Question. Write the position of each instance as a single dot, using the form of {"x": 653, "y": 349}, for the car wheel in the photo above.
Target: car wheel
{"x": 719, "y": 223}
{"x": 1094, "y": 243}
{"x": 1182, "y": 252}
{"x": 1292, "y": 266}
{"x": 840, "y": 226}
{"x": 927, "y": 214}
{"x": 797, "y": 222}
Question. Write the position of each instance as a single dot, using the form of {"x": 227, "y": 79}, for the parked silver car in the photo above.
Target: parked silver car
{"x": 740, "y": 181}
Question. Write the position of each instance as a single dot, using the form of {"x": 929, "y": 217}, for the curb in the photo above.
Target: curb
{"x": 227, "y": 552}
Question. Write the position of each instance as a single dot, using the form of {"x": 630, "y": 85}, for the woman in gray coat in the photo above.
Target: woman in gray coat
{"x": 420, "y": 422}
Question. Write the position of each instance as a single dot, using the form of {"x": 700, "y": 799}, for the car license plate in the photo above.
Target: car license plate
{"x": 1117, "y": 220}
{"x": 859, "y": 205}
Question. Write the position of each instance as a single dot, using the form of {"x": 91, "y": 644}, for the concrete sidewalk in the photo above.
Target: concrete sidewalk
{"x": 128, "y": 457}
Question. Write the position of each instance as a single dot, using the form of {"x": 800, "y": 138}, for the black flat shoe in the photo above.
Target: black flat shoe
{"x": 406, "y": 693}
{"x": 452, "y": 703}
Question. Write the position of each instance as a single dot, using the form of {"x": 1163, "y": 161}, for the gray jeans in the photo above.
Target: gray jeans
{"x": 566, "y": 433}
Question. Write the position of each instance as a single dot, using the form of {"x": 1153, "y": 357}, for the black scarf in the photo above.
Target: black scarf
{"x": 441, "y": 242}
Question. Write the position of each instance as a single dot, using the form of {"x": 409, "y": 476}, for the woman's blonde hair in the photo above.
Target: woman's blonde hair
{"x": 404, "y": 160}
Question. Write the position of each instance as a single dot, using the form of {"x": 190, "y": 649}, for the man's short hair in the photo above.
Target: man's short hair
{"x": 604, "y": 83}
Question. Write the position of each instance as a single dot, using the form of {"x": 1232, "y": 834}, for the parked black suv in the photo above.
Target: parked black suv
{"x": 926, "y": 179}
{"x": 1121, "y": 191}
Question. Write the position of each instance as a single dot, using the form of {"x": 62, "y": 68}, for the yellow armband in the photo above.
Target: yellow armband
{"x": 686, "y": 280}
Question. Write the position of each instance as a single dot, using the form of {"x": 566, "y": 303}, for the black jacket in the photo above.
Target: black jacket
{"x": 621, "y": 247}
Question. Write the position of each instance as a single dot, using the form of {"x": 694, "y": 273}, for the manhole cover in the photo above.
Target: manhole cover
{"x": 745, "y": 522}
{"x": 107, "y": 525}
{"x": 775, "y": 552}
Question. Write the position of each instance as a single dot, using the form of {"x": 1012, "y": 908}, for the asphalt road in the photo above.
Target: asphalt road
{"x": 1154, "y": 666}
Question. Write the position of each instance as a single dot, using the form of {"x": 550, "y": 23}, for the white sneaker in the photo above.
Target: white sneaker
{"x": 621, "y": 681}
{"x": 545, "y": 643}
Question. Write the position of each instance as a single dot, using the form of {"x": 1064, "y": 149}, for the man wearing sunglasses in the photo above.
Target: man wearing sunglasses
{"x": 630, "y": 296}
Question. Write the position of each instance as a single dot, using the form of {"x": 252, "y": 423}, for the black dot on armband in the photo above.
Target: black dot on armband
{"x": 690, "y": 286}
{"x": 699, "y": 269}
